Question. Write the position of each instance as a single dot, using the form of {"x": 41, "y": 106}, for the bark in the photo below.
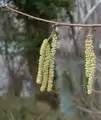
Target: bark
{"x": 32, "y": 58}
{"x": 15, "y": 86}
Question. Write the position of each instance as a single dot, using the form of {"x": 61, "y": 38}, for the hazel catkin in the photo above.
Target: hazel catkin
{"x": 47, "y": 64}
{"x": 52, "y": 63}
{"x": 46, "y": 68}
{"x": 41, "y": 61}
{"x": 90, "y": 62}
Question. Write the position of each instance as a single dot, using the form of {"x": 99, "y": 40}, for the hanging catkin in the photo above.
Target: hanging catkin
{"x": 41, "y": 61}
{"x": 46, "y": 68}
{"x": 52, "y": 63}
{"x": 90, "y": 62}
{"x": 46, "y": 64}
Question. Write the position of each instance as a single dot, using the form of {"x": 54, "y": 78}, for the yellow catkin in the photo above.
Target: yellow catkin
{"x": 52, "y": 63}
{"x": 46, "y": 69}
{"x": 90, "y": 62}
{"x": 41, "y": 61}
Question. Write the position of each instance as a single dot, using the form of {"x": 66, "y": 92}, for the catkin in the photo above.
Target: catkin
{"x": 90, "y": 62}
{"x": 52, "y": 63}
{"x": 47, "y": 64}
{"x": 46, "y": 69}
{"x": 41, "y": 61}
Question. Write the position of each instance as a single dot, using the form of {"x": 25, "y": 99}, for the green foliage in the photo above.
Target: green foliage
{"x": 12, "y": 41}
{"x": 36, "y": 31}
{"x": 43, "y": 8}
{"x": 26, "y": 109}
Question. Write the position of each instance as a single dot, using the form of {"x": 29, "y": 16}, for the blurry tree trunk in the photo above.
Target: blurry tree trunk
{"x": 32, "y": 58}
{"x": 15, "y": 86}
{"x": 15, "y": 80}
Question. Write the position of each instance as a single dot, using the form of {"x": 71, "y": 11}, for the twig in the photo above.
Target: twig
{"x": 12, "y": 116}
{"x": 91, "y": 11}
{"x": 43, "y": 114}
{"x": 96, "y": 91}
{"x": 49, "y": 21}
{"x": 89, "y": 110}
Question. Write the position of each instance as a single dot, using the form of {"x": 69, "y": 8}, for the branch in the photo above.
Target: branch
{"x": 96, "y": 91}
{"x": 50, "y": 21}
{"x": 91, "y": 11}
{"x": 89, "y": 111}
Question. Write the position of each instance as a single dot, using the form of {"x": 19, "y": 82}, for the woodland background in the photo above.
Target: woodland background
{"x": 20, "y": 41}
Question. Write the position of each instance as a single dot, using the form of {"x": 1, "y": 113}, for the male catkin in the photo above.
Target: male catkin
{"x": 90, "y": 62}
{"x": 41, "y": 61}
{"x": 47, "y": 64}
{"x": 46, "y": 68}
{"x": 52, "y": 62}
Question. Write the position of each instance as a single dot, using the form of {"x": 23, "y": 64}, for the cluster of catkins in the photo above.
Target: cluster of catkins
{"x": 46, "y": 64}
{"x": 90, "y": 62}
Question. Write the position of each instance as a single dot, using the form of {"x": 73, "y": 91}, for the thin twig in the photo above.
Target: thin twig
{"x": 96, "y": 91}
{"x": 88, "y": 110}
{"x": 49, "y": 21}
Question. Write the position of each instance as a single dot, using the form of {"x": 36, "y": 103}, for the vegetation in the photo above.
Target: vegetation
{"x": 47, "y": 64}
{"x": 90, "y": 65}
{"x": 26, "y": 35}
{"x": 36, "y": 31}
{"x": 30, "y": 39}
{"x": 24, "y": 109}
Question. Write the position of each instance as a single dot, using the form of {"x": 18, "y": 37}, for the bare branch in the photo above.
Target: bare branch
{"x": 91, "y": 11}
{"x": 89, "y": 110}
{"x": 54, "y": 22}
